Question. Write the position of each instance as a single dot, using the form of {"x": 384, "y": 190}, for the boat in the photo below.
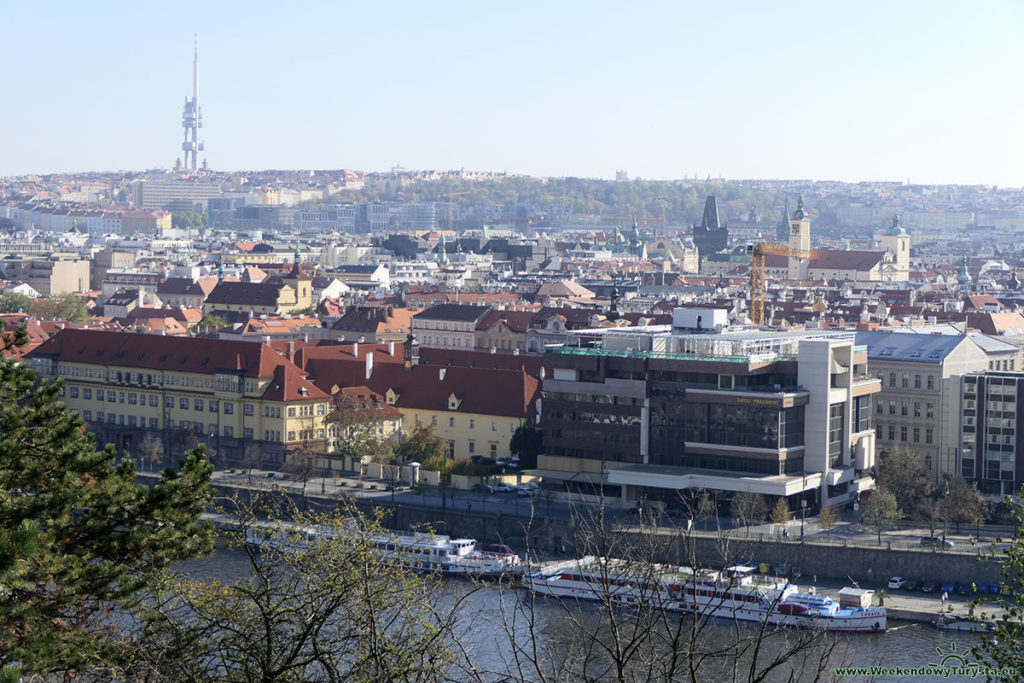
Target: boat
{"x": 419, "y": 551}
{"x": 950, "y": 622}
{"x": 735, "y": 593}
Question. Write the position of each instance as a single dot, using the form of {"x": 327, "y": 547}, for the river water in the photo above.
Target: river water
{"x": 904, "y": 645}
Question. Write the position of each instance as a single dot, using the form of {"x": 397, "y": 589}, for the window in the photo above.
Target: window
{"x": 903, "y": 382}
{"x": 472, "y": 423}
{"x": 417, "y": 419}
{"x": 291, "y": 411}
{"x": 247, "y": 433}
{"x": 917, "y": 435}
{"x": 229, "y": 408}
{"x": 494, "y": 450}
{"x": 450, "y": 450}
{"x": 927, "y": 462}
{"x": 198, "y": 403}
{"x": 494, "y": 426}
{"x": 154, "y": 423}
{"x": 929, "y": 410}
{"x": 291, "y": 436}
{"x": 73, "y": 392}
{"x": 154, "y": 400}
{"x": 903, "y": 408}
{"x": 229, "y": 431}
{"x": 472, "y": 446}
{"x": 99, "y": 394}
{"x": 836, "y": 429}
{"x": 451, "y": 422}
{"x": 892, "y": 433}
{"x": 183, "y": 403}
{"x": 917, "y": 381}
{"x": 880, "y": 407}
{"x": 903, "y": 433}
{"x": 87, "y": 415}
{"x": 214, "y": 406}
{"x": 433, "y": 420}
{"x": 928, "y": 435}
{"x": 892, "y": 379}
{"x": 917, "y": 409}
{"x": 111, "y": 397}
{"x": 892, "y": 407}
{"x": 931, "y": 382}
{"x": 132, "y": 399}
{"x": 248, "y": 410}
{"x": 131, "y": 420}
{"x": 87, "y": 393}
{"x": 321, "y": 409}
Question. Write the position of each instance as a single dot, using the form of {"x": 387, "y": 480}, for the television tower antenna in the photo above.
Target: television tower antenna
{"x": 192, "y": 118}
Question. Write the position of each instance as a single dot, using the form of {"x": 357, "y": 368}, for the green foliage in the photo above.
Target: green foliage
{"x": 469, "y": 468}
{"x": 212, "y": 321}
{"x": 420, "y": 446}
{"x": 359, "y": 427}
{"x": 67, "y": 307}
{"x": 900, "y": 473}
{"x": 962, "y": 503}
{"x": 881, "y": 511}
{"x": 780, "y": 513}
{"x": 527, "y": 443}
{"x": 13, "y": 302}
{"x": 1005, "y": 646}
{"x": 188, "y": 220}
{"x": 80, "y": 538}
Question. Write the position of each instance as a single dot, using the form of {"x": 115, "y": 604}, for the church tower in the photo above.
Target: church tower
{"x": 897, "y": 242}
{"x": 799, "y": 240}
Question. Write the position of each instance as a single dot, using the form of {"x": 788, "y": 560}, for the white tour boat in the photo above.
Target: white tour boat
{"x": 739, "y": 596}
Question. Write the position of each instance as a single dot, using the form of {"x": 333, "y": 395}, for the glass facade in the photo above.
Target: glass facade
{"x": 836, "y": 429}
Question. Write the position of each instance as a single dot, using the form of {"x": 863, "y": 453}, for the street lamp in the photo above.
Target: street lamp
{"x": 803, "y": 514}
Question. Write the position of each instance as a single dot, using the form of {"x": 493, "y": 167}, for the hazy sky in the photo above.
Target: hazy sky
{"x": 929, "y": 91}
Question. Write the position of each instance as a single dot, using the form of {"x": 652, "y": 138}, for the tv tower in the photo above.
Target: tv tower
{"x": 192, "y": 117}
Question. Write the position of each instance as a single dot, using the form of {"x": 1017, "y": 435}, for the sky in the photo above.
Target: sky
{"x": 928, "y": 92}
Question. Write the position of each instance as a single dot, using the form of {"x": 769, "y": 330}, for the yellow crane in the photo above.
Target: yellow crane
{"x": 757, "y": 286}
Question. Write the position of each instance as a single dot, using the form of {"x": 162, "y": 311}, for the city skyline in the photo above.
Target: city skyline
{"x": 915, "y": 92}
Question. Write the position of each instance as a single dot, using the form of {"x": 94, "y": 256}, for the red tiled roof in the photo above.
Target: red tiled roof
{"x": 288, "y": 384}
{"x": 154, "y": 352}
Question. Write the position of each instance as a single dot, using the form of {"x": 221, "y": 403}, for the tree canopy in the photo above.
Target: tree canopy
{"x": 14, "y": 302}
{"x": 900, "y": 473}
{"x": 79, "y": 539}
{"x": 421, "y": 446}
{"x": 67, "y": 307}
{"x": 526, "y": 443}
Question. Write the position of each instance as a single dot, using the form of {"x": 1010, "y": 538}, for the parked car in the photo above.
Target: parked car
{"x": 502, "y": 461}
{"x": 524, "y": 492}
{"x": 929, "y": 586}
{"x": 912, "y": 585}
{"x": 498, "y": 549}
{"x": 948, "y": 586}
{"x": 501, "y": 488}
{"x": 513, "y": 463}
{"x": 936, "y": 542}
{"x": 483, "y": 488}
{"x": 963, "y": 588}
{"x": 897, "y": 583}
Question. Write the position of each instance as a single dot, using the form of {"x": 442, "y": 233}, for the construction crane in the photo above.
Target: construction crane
{"x": 757, "y": 286}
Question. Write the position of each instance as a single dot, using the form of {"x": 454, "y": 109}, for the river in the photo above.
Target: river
{"x": 904, "y": 645}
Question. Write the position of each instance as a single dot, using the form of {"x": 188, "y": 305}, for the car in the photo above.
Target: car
{"x": 501, "y": 488}
{"x": 526, "y": 492}
{"x": 529, "y": 486}
{"x": 929, "y": 586}
{"x": 948, "y": 586}
{"x": 498, "y": 549}
{"x": 502, "y": 461}
{"x": 912, "y": 585}
{"x": 513, "y": 463}
{"x": 936, "y": 542}
{"x": 483, "y": 488}
{"x": 896, "y": 583}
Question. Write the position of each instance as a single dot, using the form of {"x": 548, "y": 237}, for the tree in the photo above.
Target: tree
{"x": 79, "y": 539}
{"x": 360, "y": 429}
{"x": 827, "y": 519}
{"x": 151, "y": 449}
{"x": 420, "y": 446}
{"x": 300, "y": 466}
{"x": 252, "y": 456}
{"x": 331, "y": 613}
{"x": 67, "y": 307}
{"x": 14, "y": 302}
{"x": 900, "y": 473}
{"x": 962, "y": 503}
{"x": 1004, "y": 647}
{"x": 212, "y": 321}
{"x": 780, "y": 513}
{"x": 526, "y": 444}
{"x": 881, "y": 512}
{"x": 749, "y": 507}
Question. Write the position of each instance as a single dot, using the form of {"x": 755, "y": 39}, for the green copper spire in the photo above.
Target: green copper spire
{"x": 897, "y": 230}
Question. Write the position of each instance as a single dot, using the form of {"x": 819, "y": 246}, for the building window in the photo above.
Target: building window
{"x": 892, "y": 407}
{"x": 917, "y": 435}
{"x": 229, "y": 408}
{"x": 99, "y": 416}
{"x": 248, "y": 410}
{"x": 892, "y": 379}
{"x": 433, "y": 420}
{"x": 87, "y": 393}
{"x": 929, "y": 410}
{"x": 99, "y": 394}
{"x": 247, "y": 432}
{"x": 494, "y": 450}
{"x": 451, "y": 450}
{"x": 229, "y": 431}
{"x": 917, "y": 409}
{"x": 120, "y": 397}
{"x": 903, "y": 381}
{"x": 131, "y": 398}
{"x": 903, "y": 408}
{"x": 903, "y": 432}
{"x": 214, "y": 407}
{"x": 917, "y": 381}
{"x": 931, "y": 382}
{"x": 928, "y": 435}
{"x": 451, "y": 422}
{"x": 183, "y": 403}
{"x": 87, "y": 415}
{"x": 472, "y": 446}
{"x": 835, "y": 434}
{"x": 291, "y": 436}
{"x": 494, "y": 426}
{"x": 154, "y": 400}
{"x": 927, "y": 462}
{"x": 198, "y": 402}
{"x": 892, "y": 433}
{"x": 879, "y": 408}
{"x": 472, "y": 423}
{"x": 111, "y": 397}
{"x": 73, "y": 392}
{"x": 291, "y": 411}
{"x": 154, "y": 423}
{"x": 131, "y": 420}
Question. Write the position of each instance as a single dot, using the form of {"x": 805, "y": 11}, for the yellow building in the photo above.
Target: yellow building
{"x": 233, "y": 396}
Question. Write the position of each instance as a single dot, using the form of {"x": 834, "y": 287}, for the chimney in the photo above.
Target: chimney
{"x": 369, "y": 366}
{"x": 355, "y": 349}
{"x": 290, "y": 355}
{"x": 441, "y": 372}
{"x": 391, "y": 348}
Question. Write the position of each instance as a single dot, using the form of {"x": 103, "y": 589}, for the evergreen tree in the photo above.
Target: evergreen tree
{"x": 79, "y": 539}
